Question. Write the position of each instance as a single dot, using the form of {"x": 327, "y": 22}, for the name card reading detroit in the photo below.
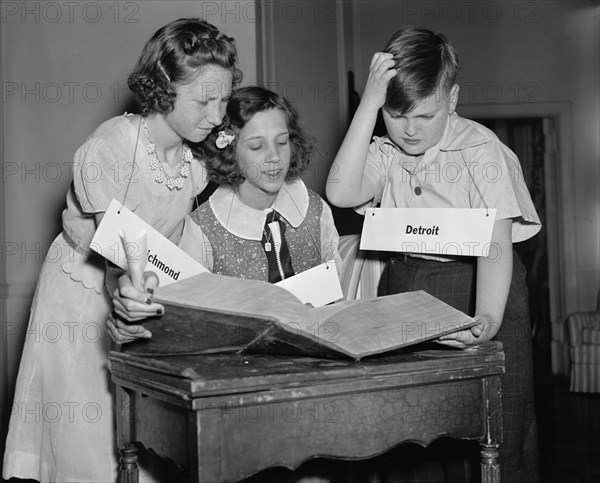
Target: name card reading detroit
{"x": 444, "y": 231}
{"x": 420, "y": 230}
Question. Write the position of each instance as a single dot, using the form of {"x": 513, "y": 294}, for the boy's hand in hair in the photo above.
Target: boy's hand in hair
{"x": 380, "y": 72}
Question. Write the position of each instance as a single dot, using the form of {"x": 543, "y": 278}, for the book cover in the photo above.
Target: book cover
{"x": 210, "y": 313}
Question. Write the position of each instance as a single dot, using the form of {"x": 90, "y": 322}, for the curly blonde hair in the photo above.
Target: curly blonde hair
{"x": 173, "y": 57}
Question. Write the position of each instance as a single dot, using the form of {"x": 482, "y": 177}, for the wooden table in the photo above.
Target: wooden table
{"x": 224, "y": 417}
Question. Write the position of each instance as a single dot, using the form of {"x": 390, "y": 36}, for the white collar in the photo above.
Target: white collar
{"x": 246, "y": 222}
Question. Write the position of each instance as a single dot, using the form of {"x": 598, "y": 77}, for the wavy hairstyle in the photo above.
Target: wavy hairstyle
{"x": 424, "y": 61}
{"x": 173, "y": 57}
{"x": 244, "y": 103}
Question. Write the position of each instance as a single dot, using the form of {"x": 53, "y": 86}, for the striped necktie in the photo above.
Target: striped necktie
{"x": 276, "y": 248}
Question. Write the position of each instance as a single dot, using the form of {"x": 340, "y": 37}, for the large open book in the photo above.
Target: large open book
{"x": 210, "y": 313}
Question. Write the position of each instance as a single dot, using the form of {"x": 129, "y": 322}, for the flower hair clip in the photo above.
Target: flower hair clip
{"x": 224, "y": 139}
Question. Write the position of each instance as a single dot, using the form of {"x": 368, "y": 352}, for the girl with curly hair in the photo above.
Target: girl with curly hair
{"x": 62, "y": 426}
{"x": 262, "y": 222}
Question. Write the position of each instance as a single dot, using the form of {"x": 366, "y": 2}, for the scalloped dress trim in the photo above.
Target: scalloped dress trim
{"x": 84, "y": 266}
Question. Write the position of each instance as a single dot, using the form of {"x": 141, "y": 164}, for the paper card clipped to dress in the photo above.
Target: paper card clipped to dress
{"x": 436, "y": 231}
{"x": 317, "y": 286}
{"x": 167, "y": 260}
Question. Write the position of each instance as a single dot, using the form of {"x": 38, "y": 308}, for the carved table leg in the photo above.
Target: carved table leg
{"x": 128, "y": 469}
{"x": 490, "y": 468}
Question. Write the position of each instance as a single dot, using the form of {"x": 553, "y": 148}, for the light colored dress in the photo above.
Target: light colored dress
{"x": 225, "y": 235}
{"x": 62, "y": 426}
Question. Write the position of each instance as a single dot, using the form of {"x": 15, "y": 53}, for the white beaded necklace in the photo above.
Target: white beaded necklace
{"x": 172, "y": 182}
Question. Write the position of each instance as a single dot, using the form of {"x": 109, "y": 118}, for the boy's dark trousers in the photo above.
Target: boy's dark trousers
{"x": 454, "y": 282}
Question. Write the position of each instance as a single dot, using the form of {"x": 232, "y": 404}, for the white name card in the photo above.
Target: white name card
{"x": 167, "y": 260}
{"x": 318, "y": 286}
{"x": 441, "y": 231}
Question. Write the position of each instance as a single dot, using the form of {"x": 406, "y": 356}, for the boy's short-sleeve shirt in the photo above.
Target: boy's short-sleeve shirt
{"x": 468, "y": 168}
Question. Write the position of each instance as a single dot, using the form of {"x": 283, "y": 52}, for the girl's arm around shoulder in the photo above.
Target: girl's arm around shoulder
{"x": 195, "y": 243}
{"x": 329, "y": 237}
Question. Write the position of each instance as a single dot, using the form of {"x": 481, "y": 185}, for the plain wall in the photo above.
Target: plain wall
{"x": 303, "y": 61}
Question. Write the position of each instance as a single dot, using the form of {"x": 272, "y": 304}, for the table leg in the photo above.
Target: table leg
{"x": 490, "y": 468}
{"x": 125, "y": 419}
{"x": 128, "y": 469}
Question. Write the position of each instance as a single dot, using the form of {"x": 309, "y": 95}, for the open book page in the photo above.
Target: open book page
{"x": 264, "y": 317}
{"x": 372, "y": 326}
{"x": 211, "y": 291}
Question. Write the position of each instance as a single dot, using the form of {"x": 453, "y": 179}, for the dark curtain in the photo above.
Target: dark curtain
{"x": 525, "y": 137}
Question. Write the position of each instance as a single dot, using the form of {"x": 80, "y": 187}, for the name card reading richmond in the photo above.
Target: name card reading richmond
{"x": 167, "y": 260}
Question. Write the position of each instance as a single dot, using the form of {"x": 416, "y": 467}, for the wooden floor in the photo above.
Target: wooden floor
{"x": 568, "y": 424}
{"x": 569, "y": 434}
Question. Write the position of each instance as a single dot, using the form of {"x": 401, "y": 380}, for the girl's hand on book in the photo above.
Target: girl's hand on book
{"x": 123, "y": 333}
{"x": 485, "y": 330}
{"x": 131, "y": 304}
